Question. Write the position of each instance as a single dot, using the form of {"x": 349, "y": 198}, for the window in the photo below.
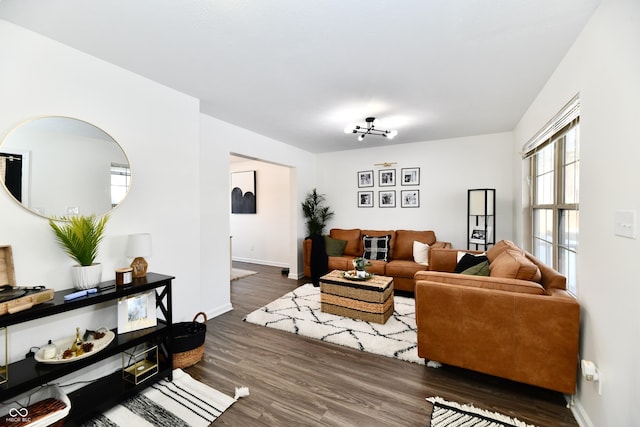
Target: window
{"x": 554, "y": 164}
{"x": 120, "y": 181}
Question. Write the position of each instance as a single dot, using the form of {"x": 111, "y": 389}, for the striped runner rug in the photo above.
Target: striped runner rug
{"x": 179, "y": 403}
{"x": 453, "y": 414}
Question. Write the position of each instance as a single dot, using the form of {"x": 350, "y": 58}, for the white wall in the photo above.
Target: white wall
{"x": 158, "y": 129}
{"x": 263, "y": 237}
{"x": 448, "y": 168}
{"x": 604, "y": 67}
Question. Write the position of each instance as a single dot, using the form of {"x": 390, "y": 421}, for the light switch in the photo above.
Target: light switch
{"x": 626, "y": 224}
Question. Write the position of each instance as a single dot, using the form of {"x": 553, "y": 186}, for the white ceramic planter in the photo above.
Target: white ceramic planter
{"x": 86, "y": 277}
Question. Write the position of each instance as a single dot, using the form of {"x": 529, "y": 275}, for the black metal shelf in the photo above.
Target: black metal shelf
{"x": 27, "y": 374}
{"x": 59, "y": 305}
{"x": 481, "y": 221}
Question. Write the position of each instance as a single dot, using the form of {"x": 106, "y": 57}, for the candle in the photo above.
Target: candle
{"x": 124, "y": 276}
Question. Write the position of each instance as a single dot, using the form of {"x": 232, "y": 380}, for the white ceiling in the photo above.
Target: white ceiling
{"x": 299, "y": 71}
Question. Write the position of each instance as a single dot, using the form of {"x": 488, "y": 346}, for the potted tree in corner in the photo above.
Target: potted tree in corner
{"x": 316, "y": 213}
{"x": 317, "y": 216}
{"x": 80, "y": 237}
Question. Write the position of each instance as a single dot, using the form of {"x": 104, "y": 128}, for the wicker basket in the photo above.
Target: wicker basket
{"x": 187, "y": 342}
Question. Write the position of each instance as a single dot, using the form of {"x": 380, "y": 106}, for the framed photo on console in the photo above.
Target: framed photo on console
{"x": 137, "y": 312}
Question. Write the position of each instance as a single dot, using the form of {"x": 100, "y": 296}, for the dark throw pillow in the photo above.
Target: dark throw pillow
{"x": 376, "y": 248}
{"x": 334, "y": 247}
{"x": 469, "y": 260}
{"x": 481, "y": 269}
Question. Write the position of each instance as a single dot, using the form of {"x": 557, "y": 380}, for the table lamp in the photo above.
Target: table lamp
{"x": 138, "y": 247}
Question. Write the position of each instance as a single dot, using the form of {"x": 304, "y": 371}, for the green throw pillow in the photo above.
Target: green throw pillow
{"x": 481, "y": 269}
{"x": 334, "y": 247}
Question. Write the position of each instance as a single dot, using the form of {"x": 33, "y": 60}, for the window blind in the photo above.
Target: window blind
{"x": 569, "y": 114}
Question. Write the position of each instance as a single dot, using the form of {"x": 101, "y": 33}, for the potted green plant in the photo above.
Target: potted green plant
{"x": 80, "y": 237}
{"x": 360, "y": 265}
{"x": 316, "y": 213}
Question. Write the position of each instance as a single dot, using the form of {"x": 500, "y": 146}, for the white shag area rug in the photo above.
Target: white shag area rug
{"x": 238, "y": 273}
{"x": 299, "y": 312}
{"x": 182, "y": 402}
{"x": 450, "y": 414}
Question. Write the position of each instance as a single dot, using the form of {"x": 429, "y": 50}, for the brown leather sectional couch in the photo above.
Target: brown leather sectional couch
{"x": 401, "y": 265}
{"x": 519, "y": 323}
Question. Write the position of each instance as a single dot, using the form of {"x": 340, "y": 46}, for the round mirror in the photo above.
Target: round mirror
{"x": 60, "y": 166}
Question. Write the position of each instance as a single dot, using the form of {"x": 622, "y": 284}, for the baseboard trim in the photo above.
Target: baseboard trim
{"x": 579, "y": 413}
{"x": 292, "y": 275}
{"x": 295, "y": 277}
{"x": 261, "y": 262}
{"x": 219, "y": 310}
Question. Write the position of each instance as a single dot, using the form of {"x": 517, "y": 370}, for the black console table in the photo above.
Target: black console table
{"x": 104, "y": 393}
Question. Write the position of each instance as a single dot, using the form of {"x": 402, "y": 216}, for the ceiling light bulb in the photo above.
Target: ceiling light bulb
{"x": 361, "y": 137}
{"x": 349, "y": 129}
{"x": 392, "y": 134}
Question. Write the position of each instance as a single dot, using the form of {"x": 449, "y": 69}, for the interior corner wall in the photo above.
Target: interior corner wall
{"x": 448, "y": 168}
{"x": 263, "y": 237}
{"x": 603, "y": 66}
{"x": 156, "y": 126}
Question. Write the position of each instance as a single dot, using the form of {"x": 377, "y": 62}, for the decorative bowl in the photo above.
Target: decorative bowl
{"x": 353, "y": 275}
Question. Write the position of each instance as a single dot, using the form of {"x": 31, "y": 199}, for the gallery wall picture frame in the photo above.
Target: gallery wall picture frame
{"x": 365, "y": 179}
{"x": 243, "y": 192}
{"x": 410, "y": 198}
{"x": 365, "y": 199}
{"x": 137, "y": 312}
{"x": 387, "y": 177}
{"x": 410, "y": 176}
{"x": 387, "y": 199}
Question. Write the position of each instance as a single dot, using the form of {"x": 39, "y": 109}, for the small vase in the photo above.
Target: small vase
{"x": 86, "y": 277}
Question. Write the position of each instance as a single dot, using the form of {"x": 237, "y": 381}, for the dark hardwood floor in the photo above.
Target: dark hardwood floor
{"x": 297, "y": 381}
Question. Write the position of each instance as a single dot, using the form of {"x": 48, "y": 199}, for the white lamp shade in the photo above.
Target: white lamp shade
{"x": 481, "y": 202}
{"x": 139, "y": 245}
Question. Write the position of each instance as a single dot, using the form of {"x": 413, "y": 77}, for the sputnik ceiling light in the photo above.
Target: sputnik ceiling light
{"x": 370, "y": 130}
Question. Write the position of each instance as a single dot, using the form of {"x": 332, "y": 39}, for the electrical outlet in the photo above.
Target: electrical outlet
{"x": 625, "y": 224}
{"x": 589, "y": 370}
{"x": 591, "y": 373}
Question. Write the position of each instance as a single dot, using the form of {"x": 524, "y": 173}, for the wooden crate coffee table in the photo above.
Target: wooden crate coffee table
{"x": 370, "y": 300}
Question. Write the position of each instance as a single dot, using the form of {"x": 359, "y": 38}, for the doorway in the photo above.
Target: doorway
{"x": 263, "y": 237}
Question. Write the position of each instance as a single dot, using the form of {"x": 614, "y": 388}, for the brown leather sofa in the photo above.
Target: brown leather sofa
{"x": 517, "y": 323}
{"x": 401, "y": 265}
